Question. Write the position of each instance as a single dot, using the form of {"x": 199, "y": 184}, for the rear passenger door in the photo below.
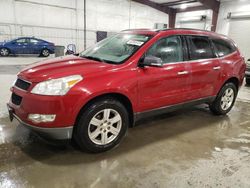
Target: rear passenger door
{"x": 33, "y": 46}
{"x": 205, "y": 67}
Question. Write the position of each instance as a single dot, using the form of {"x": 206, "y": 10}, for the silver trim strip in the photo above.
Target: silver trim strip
{"x": 183, "y": 72}
{"x": 217, "y": 68}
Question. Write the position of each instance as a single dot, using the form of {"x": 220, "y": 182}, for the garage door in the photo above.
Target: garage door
{"x": 193, "y": 25}
{"x": 239, "y": 31}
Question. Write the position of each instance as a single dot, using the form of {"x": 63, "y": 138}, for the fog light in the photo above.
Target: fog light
{"x": 38, "y": 118}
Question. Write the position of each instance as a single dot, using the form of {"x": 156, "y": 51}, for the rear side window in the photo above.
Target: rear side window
{"x": 223, "y": 47}
{"x": 199, "y": 48}
{"x": 34, "y": 41}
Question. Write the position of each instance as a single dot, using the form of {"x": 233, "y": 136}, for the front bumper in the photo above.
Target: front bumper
{"x": 64, "y": 133}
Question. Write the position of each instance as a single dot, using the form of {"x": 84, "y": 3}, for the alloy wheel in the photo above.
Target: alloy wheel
{"x": 105, "y": 126}
{"x": 45, "y": 53}
{"x": 4, "y": 52}
{"x": 227, "y": 99}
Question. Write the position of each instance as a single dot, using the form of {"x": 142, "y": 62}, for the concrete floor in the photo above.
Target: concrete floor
{"x": 188, "y": 148}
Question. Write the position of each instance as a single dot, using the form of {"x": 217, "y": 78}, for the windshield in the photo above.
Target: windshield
{"x": 116, "y": 49}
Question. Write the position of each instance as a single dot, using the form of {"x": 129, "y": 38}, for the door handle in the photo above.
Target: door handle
{"x": 217, "y": 68}
{"x": 183, "y": 72}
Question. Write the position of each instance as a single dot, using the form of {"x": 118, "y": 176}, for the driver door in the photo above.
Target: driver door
{"x": 166, "y": 85}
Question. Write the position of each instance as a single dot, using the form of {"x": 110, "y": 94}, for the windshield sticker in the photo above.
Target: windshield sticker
{"x": 134, "y": 42}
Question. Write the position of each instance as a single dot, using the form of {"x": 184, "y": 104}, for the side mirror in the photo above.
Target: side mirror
{"x": 71, "y": 49}
{"x": 151, "y": 61}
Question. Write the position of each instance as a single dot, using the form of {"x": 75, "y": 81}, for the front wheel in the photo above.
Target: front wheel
{"x": 4, "y": 52}
{"x": 101, "y": 126}
{"x": 224, "y": 101}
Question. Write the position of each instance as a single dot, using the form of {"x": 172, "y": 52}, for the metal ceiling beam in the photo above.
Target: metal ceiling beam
{"x": 154, "y": 5}
{"x": 165, "y": 7}
{"x": 172, "y": 18}
{"x": 211, "y": 4}
{"x": 190, "y": 9}
{"x": 179, "y": 2}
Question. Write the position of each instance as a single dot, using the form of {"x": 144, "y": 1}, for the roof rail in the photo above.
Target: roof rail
{"x": 191, "y": 29}
{"x": 167, "y": 29}
{"x": 140, "y": 29}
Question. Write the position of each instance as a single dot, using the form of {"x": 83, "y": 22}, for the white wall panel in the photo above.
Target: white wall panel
{"x": 238, "y": 29}
{"x": 62, "y": 21}
{"x": 195, "y": 25}
{"x": 223, "y": 24}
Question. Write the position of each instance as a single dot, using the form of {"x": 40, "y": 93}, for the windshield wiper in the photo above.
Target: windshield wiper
{"x": 93, "y": 58}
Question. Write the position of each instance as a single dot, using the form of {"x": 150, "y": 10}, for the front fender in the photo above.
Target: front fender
{"x": 91, "y": 88}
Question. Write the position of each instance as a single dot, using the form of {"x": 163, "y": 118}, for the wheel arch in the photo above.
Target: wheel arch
{"x": 44, "y": 48}
{"x": 117, "y": 96}
{"x": 6, "y": 48}
{"x": 233, "y": 80}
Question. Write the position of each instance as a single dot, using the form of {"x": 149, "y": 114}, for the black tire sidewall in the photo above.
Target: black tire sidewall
{"x": 81, "y": 130}
{"x": 216, "y": 106}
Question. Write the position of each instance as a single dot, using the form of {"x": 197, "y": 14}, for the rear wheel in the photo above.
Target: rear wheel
{"x": 248, "y": 81}
{"x": 225, "y": 99}
{"x": 45, "y": 53}
{"x": 4, "y": 52}
{"x": 101, "y": 126}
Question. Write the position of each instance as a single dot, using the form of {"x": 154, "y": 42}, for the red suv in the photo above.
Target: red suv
{"x": 95, "y": 96}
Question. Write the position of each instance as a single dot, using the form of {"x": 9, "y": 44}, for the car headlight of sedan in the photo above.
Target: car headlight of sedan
{"x": 59, "y": 86}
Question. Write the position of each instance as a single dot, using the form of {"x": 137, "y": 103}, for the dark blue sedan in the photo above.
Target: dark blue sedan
{"x": 27, "y": 45}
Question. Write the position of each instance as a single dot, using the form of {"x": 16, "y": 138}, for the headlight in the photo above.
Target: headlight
{"x": 58, "y": 86}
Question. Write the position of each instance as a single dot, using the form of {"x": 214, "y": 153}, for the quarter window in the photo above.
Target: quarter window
{"x": 168, "y": 49}
{"x": 222, "y": 47}
{"x": 200, "y": 48}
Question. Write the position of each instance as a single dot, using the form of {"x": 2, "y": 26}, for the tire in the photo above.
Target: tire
{"x": 45, "y": 53}
{"x": 248, "y": 81}
{"x": 92, "y": 123}
{"x": 225, "y": 100}
{"x": 4, "y": 52}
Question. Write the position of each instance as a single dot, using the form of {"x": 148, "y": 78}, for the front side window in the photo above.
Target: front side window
{"x": 21, "y": 41}
{"x": 116, "y": 49}
{"x": 169, "y": 50}
{"x": 222, "y": 47}
{"x": 199, "y": 48}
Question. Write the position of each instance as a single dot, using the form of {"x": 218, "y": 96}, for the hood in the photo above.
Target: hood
{"x": 62, "y": 66}
{"x": 2, "y": 43}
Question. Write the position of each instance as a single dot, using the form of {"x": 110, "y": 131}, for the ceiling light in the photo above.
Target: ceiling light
{"x": 183, "y": 6}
